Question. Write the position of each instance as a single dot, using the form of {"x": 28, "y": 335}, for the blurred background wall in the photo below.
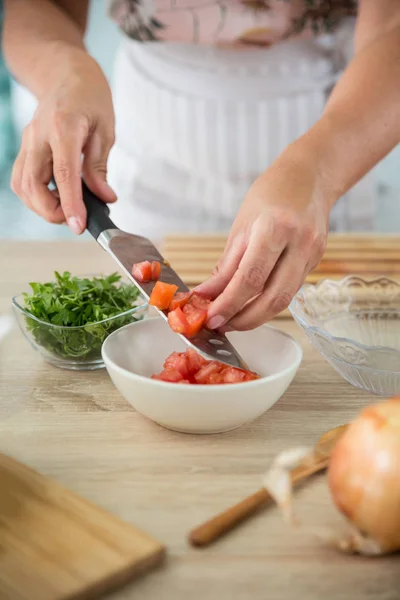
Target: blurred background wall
{"x": 16, "y": 107}
{"x": 381, "y": 186}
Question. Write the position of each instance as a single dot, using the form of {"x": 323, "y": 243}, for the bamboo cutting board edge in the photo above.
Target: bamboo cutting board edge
{"x": 363, "y": 255}
{"x": 333, "y": 238}
{"x": 133, "y": 550}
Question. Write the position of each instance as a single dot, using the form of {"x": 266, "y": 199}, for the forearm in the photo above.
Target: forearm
{"x": 41, "y": 38}
{"x": 361, "y": 121}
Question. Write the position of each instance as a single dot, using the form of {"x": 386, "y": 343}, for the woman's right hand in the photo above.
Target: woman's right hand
{"x": 75, "y": 117}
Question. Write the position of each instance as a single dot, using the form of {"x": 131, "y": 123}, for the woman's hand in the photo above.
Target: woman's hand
{"x": 278, "y": 236}
{"x": 75, "y": 117}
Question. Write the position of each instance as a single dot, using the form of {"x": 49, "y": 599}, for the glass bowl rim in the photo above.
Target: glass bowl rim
{"x": 16, "y": 304}
{"x": 332, "y": 338}
{"x": 346, "y": 279}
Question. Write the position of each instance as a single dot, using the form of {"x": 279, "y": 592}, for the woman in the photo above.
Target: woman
{"x": 279, "y": 232}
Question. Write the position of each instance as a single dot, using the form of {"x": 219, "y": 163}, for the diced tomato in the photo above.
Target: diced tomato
{"x": 171, "y": 359}
{"x": 191, "y": 368}
{"x": 187, "y": 321}
{"x": 142, "y": 271}
{"x": 200, "y": 301}
{"x": 232, "y": 375}
{"x": 179, "y": 300}
{"x": 146, "y": 271}
{"x": 192, "y": 313}
{"x": 162, "y": 295}
{"x": 155, "y": 270}
{"x": 177, "y": 321}
{"x": 190, "y": 308}
{"x": 205, "y": 372}
{"x": 196, "y": 317}
{"x": 171, "y": 375}
{"x": 179, "y": 362}
{"x": 194, "y": 361}
{"x": 158, "y": 377}
{"x": 215, "y": 379}
{"x": 251, "y": 376}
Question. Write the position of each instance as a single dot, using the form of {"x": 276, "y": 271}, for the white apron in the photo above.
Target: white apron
{"x": 196, "y": 125}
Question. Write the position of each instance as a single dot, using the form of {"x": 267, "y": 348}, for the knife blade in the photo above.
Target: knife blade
{"x": 127, "y": 249}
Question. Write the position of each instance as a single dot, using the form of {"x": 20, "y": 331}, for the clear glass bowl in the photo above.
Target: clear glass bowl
{"x": 76, "y": 348}
{"x": 355, "y": 325}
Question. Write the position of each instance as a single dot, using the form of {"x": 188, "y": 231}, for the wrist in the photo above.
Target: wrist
{"x": 71, "y": 67}
{"x": 318, "y": 148}
{"x": 304, "y": 163}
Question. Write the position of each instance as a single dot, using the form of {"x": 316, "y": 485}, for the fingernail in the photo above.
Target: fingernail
{"x": 216, "y": 322}
{"x": 75, "y": 225}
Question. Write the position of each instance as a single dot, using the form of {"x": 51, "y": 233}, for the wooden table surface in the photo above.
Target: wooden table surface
{"x": 76, "y": 428}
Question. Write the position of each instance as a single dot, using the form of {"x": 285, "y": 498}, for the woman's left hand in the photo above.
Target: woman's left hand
{"x": 278, "y": 237}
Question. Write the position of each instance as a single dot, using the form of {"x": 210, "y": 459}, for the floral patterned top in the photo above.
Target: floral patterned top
{"x": 226, "y": 22}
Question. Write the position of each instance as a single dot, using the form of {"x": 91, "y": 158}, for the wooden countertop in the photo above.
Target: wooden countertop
{"x": 76, "y": 428}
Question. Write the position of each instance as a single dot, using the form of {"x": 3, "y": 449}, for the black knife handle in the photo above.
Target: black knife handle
{"x": 97, "y": 213}
{"x": 97, "y": 219}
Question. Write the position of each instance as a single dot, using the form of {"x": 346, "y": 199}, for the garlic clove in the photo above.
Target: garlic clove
{"x": 278, "y": 482}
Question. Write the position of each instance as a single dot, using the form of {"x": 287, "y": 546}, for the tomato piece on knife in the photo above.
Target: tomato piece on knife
{"x": 179, "y": 300}
{"x": 142, "y": 271}
{"x": 200, "y": 302}
{"x": 177, "y": 321}
{"x": 155, "y": 270}
{"x": 146, "y": 271}
{"x": 162, "y": 295}
{"x": 195, "y": 317}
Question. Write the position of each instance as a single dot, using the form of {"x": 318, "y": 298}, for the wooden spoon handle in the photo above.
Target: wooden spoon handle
{"x": 219, "y": 525}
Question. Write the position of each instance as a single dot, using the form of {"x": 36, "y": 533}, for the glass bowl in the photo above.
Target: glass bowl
{"x": 355, "y": 325}
{"x": 76, "y": 348}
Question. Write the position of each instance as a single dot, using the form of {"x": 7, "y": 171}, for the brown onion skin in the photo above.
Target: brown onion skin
{"x": 364, "y": 474}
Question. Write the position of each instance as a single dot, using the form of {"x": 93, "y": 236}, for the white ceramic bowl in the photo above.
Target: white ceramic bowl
{"x": 134, "y": 352}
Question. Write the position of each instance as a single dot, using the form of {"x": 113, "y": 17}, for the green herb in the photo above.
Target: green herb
{"x": 83, "y": 305}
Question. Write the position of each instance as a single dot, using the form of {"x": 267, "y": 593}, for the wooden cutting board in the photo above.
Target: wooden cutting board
{"x": 195, "y": 256}
{"x": 55, "y": 545}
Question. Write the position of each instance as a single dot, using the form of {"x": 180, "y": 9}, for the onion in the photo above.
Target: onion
{"x": 364, "y": 479}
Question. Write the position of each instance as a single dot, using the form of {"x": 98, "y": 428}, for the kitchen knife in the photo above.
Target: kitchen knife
{"x": 127, "y": 249}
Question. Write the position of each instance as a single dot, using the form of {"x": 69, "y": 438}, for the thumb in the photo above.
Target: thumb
{"x": 94, "y": 167}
